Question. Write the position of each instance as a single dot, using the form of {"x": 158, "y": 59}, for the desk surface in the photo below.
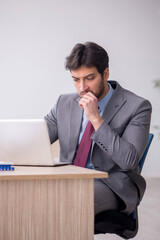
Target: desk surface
{"x": 58, "y": 172}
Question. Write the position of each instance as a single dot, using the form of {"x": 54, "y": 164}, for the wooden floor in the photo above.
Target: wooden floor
{"x": 149, "y": 215}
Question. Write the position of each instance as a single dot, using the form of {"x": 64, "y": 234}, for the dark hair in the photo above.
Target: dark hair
{"x": 88, "y": 54}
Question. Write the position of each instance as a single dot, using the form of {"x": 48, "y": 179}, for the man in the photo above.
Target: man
{"x": 119, "y": 120}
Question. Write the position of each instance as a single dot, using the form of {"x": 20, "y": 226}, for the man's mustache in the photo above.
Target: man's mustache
{"x": 82, "y": 93}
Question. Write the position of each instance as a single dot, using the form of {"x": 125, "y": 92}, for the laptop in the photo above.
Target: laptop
{"x": 26, "y": 142}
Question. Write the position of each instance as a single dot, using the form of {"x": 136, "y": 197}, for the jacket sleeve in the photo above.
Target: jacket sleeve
{"x": 127, "y": 149}
{"x": 51, "y": 120}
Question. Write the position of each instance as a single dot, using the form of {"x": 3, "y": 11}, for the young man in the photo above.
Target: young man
{"x": 118, "y": 123}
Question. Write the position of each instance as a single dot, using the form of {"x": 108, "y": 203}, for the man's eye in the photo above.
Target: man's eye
{"x": 75, "y": 79}
{"x": 90, "y": 78}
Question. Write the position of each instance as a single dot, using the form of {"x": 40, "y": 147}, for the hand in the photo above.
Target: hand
{"x": 89, "y": 103}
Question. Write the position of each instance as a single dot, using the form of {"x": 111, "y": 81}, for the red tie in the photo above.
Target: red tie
{"x": 84, "y": 146}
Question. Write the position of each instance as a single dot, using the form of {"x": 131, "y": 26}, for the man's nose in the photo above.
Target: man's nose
{"x": 83, "y": 86}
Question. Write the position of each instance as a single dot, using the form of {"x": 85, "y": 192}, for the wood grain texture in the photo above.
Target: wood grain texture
{"x": 50, "y": 209}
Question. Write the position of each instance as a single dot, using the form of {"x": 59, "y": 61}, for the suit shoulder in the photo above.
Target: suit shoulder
{"x": 125, "y": 93}
{"x": 133, "y": 101}
{"x": 66, "y": 99}
{"x": 134, "y": 98}
{"x": 69, "y": 96}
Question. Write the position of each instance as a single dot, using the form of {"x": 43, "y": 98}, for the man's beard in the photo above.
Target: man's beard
{"x": 98, "y": 93}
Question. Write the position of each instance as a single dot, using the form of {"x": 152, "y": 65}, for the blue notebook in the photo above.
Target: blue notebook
{"x": 4, "y": 166}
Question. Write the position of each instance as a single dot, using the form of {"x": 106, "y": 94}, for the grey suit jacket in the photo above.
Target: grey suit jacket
{"x": 118, "y": 144}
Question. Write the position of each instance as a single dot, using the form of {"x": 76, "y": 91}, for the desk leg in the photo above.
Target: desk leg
{"x": 47, "y": 209}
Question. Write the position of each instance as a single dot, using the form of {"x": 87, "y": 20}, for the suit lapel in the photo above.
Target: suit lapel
{"x": 112, "y": 108}
{"x": 76, "y": 114}
{"x": 114, "y": 105}
{"x": 116, "y": 102}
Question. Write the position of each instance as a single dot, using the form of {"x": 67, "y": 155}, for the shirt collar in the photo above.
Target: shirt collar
{"x": 104, "y": 101}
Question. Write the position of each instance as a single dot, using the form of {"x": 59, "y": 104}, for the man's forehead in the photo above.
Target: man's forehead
{"x": 83, "y": 71}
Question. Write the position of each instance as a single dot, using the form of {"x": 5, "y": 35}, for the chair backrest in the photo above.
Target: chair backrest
{"x": 146, "y": 151}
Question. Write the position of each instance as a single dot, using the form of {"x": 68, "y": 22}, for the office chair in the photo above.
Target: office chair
{"x": 117, "y": 222}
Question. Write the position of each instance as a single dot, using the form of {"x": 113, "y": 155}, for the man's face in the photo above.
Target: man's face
{"x": 90, "y": 80}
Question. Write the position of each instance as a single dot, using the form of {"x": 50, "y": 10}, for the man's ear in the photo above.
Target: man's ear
{"x": 106, "y": 74}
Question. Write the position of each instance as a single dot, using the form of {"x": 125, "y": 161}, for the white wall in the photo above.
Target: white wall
{"x": 37, "y": 35}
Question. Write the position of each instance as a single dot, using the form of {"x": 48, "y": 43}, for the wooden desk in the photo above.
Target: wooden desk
{"x": 47, "y": 203}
